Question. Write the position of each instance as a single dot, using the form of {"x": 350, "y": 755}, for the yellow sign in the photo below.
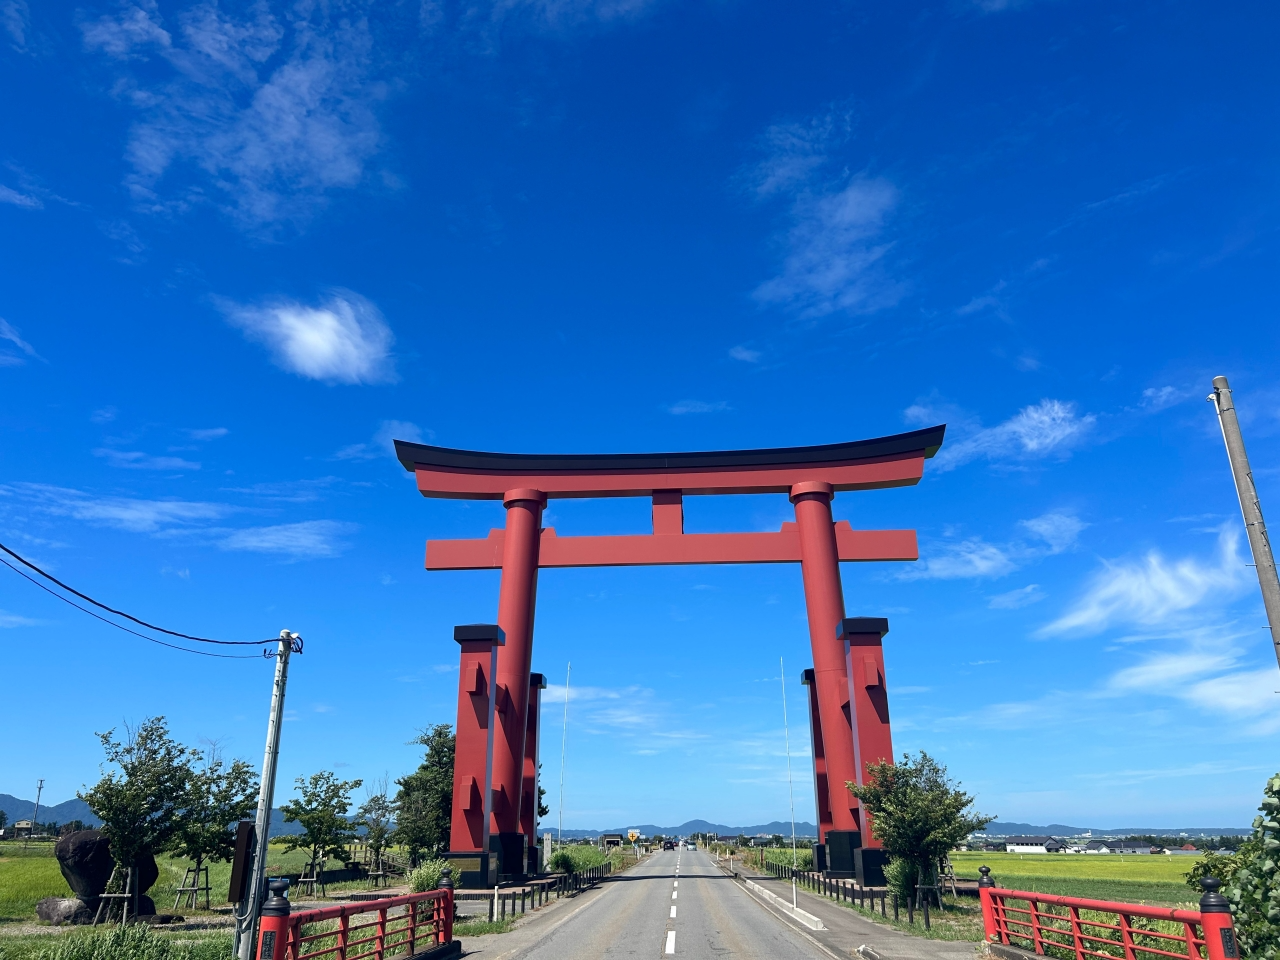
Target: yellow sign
{"x": 633, "y": 835}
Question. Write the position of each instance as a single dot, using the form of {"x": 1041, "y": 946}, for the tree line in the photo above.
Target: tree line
{"x": 159, "y": 796}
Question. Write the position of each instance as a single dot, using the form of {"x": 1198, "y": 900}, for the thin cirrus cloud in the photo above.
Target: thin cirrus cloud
{"x": 267, "y": 111}
{"x": 683, "y": 407}
{"x": 308, "y": 539}
{"x": 10, "y": 334}
{"x": 1152, "y": 591}
{"x": 343, "y": 340}
{"x": 974, "y": 558}
{"x": 121, "y": 513}
{"x": 745, "y": 354}
{"x": 1050, "y": 428}
{"x": 381, "y": 445}
{"x": 1017, "y": 599}
{"x": 137, "y": 460}
{"x": 834, "y": 249}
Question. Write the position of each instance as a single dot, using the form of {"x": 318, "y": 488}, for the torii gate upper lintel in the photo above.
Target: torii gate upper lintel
{"x": 811, "y": 476}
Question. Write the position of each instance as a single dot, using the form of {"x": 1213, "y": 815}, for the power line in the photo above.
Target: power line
{"x": 112, "y": 623}
{"x": 119, "y": 613}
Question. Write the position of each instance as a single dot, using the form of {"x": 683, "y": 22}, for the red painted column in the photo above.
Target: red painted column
{"x": 861, "y": 638}
{"x": 820, "y": 565}
{"x": 529, "y": 790}
{"x": 820, "y": 792}
{"x": 473, "y": 754}
{"x": 515, "y": 616}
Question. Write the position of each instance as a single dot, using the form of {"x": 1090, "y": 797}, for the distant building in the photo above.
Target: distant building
{"x": 1118, "y": 846}
{"x": 22, "y": 828}
{"x": 608, "y": 840}
{"x": 1032, "y": 845}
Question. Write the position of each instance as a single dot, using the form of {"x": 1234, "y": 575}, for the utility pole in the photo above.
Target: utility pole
{"x": 246, "y": 923}
{"x": 35, "y": 817}
{"x": 1263, "y": 559}
{"x": 564, "y": 742}
{"x": 786, "y": 730}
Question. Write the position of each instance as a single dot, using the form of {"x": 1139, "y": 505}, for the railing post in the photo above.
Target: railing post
{"x": 1126, "y": 937}
{"x": 273, "y": 929}
{"x": 380, "y": 935}
{"x": 343, "y": 936}
{"x": 411, "y": 928}
{"x": 988, "y": 908}
{"x": 444, "y": 931}
{"x": 1215, "y": 920}
{"x": 1074, "y": 913}
{"x": 1039, "y": 943}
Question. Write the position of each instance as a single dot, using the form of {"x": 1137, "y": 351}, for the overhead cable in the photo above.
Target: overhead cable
{"x": 119, "y": 613}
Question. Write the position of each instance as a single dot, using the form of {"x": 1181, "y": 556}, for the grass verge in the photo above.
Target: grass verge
{"x": 478, "y": 928}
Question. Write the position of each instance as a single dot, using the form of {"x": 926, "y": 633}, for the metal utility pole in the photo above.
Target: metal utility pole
{"x": 564, "y": 742}
{"x": 1263, "y": 559}
{"x": 786, "y": 730}
{"x": 266, "y": 794}
{"x": 35, "y": 817}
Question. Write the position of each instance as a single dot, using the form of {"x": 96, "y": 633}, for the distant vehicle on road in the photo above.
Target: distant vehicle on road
{"x": 668, "y": 845}
{"x": 691, "y": 845}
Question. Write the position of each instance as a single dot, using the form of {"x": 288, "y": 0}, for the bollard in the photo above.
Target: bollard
{"x": 273, "y": 928}
{"x": 883, "y": 913}
{"x": 444, "y": 908}
{"x": 1215, "y": 918}
{"x": 911, "y": 910}
{"x": 895, "y": 908}
{"x": 988, "y": 908}
{"x": 926, "y": 912}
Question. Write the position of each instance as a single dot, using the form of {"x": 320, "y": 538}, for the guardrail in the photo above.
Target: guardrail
{"x": 538, "y": 892}
{"x": 1074, "y": 928}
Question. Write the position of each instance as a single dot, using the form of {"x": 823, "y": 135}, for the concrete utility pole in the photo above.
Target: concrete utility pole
{"x": 244, "y": 945}
{"x": 35, "y": 817}
{"x": 1263, "y": 559}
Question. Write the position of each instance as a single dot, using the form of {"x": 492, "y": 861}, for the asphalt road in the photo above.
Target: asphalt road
{"x": 678, "y": 904}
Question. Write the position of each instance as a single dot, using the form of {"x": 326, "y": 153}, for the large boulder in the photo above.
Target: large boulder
{"x": 61, "y": 910}
{"x": 84, "y": 857}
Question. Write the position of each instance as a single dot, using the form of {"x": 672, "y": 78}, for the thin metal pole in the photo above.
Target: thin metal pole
{"x": 266, "y": 795}
{"x": 1254, "y": 525}
{"x": 786, "y": 730}
{"x": 564, "y": 742}
{"x": 35, "y": 817}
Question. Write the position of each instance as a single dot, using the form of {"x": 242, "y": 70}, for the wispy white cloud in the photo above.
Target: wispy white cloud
{"x": 9, "y": 333}
{"x": 681, "y": 407}
{"x": 123, "y": 513}
{"x": 10, "y": 620}
{"x": 18, "y": 199}
{"x": 1016, "y": 599}
{"x": 308, "y": 539}
{"x": 269, "y": 113}
{"x": 834, "y": 250}
{"x": 343, "y": 340}
{"x": 381, "y": 445}
{"x": 745, "y": 354}
{"x": 971, "y": 558}
{"x": 1059, "y": 530}
{"x": 1152, "y": 591}
{"x": 1048, "y": 428}
{"x": 15, "y": 18}
{"x": 104, "y": 415}
{"x": 137, "y": 460}
{"x": 212, "y": 433}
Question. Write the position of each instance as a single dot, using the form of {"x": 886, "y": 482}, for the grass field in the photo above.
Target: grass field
{"x": 1133, "y": 879}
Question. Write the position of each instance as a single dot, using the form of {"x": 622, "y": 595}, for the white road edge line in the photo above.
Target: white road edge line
{"x": 671, "y": 942}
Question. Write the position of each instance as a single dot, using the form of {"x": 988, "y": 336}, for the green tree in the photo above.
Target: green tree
{"x": 1250, "y": 880}
{"x": 141, "y": 802}
{"x": 321, "y": 809}
{"x": 424, "y": 802}
{"x": 917, "y": 813}
{"x": 218, "y": 796}
{"x": 4, "y": 819}
{"x": 375, "y": 816}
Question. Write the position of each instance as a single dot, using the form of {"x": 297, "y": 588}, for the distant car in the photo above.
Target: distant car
{"x": 691, "y": 845}
{"x": 668, "y": 845}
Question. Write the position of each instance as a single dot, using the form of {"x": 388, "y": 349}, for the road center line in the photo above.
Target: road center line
{"x": 673, "y": 911}
{"x": 671, "y": 941}
{"x": 677, "y": 883}
{"x": 674, "y": 894}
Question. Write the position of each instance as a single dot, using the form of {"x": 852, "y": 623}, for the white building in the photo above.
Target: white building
{"x": 1032, "y": 845}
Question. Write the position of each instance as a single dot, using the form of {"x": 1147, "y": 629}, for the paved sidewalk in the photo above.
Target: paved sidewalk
{"x": 846, "y": 931}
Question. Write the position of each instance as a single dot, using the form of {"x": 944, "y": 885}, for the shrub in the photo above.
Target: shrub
{"x": 575, "y": 859}
{"x": 426, "y": 876}
{"x": 900, "y": 878}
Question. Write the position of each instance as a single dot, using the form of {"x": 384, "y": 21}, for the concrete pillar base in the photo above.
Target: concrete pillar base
{"x": 869, "y": 865}
{"x": 472, "y": 870}
{"x": 841, "y": 846}
{"x": 510, "y": 851}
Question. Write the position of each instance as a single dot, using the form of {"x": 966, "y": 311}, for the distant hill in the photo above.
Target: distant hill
{"x": 803, "y": 829}
{"x": 77, "y": 809}
{"x": 1001, "y": 829}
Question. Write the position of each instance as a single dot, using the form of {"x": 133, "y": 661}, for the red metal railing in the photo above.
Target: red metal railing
{"x": 1073, "y": 927}
{"x": 371, "y": 928}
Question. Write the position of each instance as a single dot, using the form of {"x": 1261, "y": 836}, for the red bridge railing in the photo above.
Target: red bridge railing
{"x": 1074, "y": 928}
{"x": 364, "y": 930}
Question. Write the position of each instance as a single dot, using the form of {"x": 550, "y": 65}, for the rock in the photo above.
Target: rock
{"x": 61, "y": 910}
{"x": 146, "y": 906}
{"x": 84, "y": 857}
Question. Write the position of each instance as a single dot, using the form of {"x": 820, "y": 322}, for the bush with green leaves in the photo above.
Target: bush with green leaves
{"x": 575, "y": 859}
{"x": 1251, "y": 879}
{"x": 900, "y": 877}
{"x": 426, "y": 876}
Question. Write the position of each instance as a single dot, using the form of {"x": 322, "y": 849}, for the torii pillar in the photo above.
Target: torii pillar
{"x": 529, "y": 790}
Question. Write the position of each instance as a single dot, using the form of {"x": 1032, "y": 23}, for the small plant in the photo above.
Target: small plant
{"x": 900, "y": 878}
{"x": 426, "y": 876}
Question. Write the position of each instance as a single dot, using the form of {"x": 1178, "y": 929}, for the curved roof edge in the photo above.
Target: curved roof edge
{"x": 410, "y": 454}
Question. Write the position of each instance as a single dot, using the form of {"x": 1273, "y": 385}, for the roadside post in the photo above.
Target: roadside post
{"x": 274, "y": 929}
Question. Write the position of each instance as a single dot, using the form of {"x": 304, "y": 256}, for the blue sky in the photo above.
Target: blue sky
{"x": 243, "y": 245}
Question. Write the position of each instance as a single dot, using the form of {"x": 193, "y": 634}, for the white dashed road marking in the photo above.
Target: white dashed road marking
{"x": 671, "y": 941}
{"x": 673, "y": 911}
{"x": 677, "y": 883}
{"x": 674, "y": 894}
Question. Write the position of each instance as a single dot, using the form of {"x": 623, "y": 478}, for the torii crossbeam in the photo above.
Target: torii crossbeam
{"x": 810, "y": 476}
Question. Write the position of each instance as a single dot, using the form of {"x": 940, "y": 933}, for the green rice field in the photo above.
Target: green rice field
{"x": 1131, "y": 879}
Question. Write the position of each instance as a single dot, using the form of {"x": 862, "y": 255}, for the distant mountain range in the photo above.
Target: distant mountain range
{"x": 77, "y": 809}
{"x": 1001, "y": 829}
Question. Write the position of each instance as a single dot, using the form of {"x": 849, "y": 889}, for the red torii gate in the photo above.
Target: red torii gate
{"x": 493, "y": 787}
